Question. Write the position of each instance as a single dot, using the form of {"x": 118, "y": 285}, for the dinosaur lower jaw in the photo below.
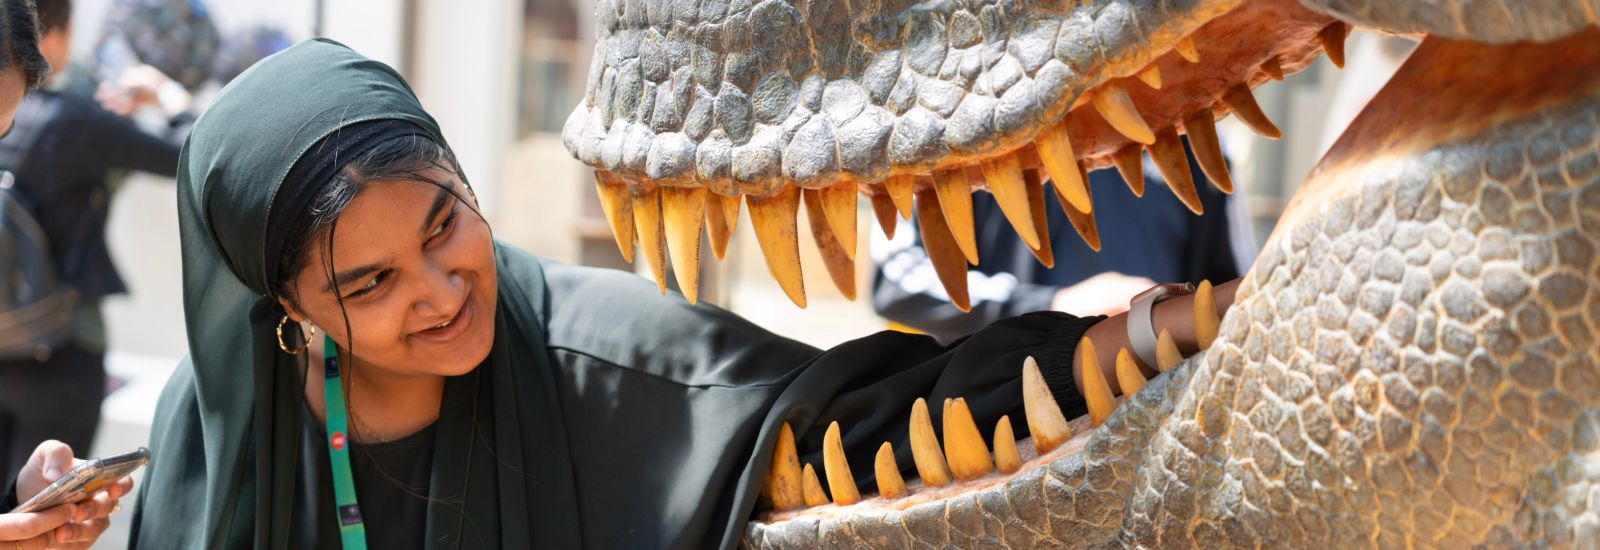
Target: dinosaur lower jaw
{"x": 1140, "y": 103}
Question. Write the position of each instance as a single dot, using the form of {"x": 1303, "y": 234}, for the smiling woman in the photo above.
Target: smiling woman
{"x": 473, "y": 395}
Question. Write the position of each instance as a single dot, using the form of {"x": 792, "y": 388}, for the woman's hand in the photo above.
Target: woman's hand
{"x": 66, "y": 526}
{"x": 1175, "y": 315}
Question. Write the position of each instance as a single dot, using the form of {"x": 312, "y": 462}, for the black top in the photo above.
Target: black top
{"x": 61, "y": 150}
{"x": 392, "y": 480}
{"x": 1154, "y": 237}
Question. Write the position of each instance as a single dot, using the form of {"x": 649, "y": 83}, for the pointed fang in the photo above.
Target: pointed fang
{"x": 783, "y": 478}
{"x": 1096, "y": 392}
{"x": 1167, "y": 154}
{"x": 948, "y": 260}
{"x": 684, "y": 212}
{"x": 1202, "y": 132}
{"x": 1332, "y": 38}
{"x": 1206, "y": 321}
{"x": 883, "y": 209}
{"x": 1046, "y": 424}
{"x": 840, "y": 482}
{"x": 955, "y": 201}
{"x": 773, "y": 218}
{"x": 839, "y": 203}
{"x": 1055, "y": 152}
{"x": 1082, "y": 222}
{"x": 812, "y": 488}
{"x": 1273, "y": 69}
{"x": 647, "y": 225}
{"x": 1187, "y": 50}
{"x": 963, "y": 445}
{"x": 1151, "y": 76}
{"x": 1006, "y": 457}
{"x": 902, "y": 189}
{"x": 1130, "y": 165}
{"x": 1004, "y": 176}
{"x": 1129, "y": 379}
{"x": 722, "y": 214}
{"x": 1167, "y": 355}
{"x": 1114, "y": 104}
{"x": 1041, "y": 223}
{"x": 618, "y": 207}
{"x": 1244, "y": 106}
{"x": 890, "y": 485}
{"x": 841, "y": 268}
{"x": 931, "y": 466}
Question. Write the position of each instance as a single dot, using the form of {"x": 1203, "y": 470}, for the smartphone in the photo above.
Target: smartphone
{"x": 78, "y": 484}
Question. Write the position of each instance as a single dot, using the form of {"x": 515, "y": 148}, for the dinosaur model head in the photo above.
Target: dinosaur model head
{"x": 1411, "y": 360}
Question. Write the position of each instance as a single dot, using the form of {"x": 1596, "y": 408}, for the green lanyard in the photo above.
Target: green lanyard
{"x": 352, "y": 531}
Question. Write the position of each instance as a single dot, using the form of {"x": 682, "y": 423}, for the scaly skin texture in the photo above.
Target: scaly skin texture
{"x": 1412, "y": 360}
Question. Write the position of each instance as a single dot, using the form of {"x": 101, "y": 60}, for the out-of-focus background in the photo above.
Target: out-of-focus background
{"x": 501, "y": 76}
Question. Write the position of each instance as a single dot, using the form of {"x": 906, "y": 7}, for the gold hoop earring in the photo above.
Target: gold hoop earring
{"x": 285, "y": 347}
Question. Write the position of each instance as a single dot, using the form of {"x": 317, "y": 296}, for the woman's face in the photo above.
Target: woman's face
{"x": 415, "y": 267}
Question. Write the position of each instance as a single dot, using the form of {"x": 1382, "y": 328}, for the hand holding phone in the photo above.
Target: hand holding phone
{"x": 80, "y": 483}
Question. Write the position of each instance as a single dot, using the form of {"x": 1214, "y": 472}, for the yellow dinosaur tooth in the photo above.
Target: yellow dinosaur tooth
{"x": 722, "y": 214}
{"x": 1006, "y": 457}
{"x": 618, "y": 207}
{"x": 841, "y": 268}
{"x": 1055, "y": 152}
{"x": 1041, "y": 223}
{"x": 684, "y": 212}
{"x": 647, "y": 225}
{"x": 943, "y": 252}
{"x": 1167, "y": 355}
{"x": 1096, "y": 392}
{"x": 955, "y": 201}
{"x": 1129, "y": 379}
{"x": 783, "y": 478}
{"x": 840, "y": 482}
{"x": 1151, "y": 76}
{"x": 1004, "y": 176}
{"x": 1082, "y": 222}
{"x": 1203, "y": 141}
{"x": 1205, "y": 316}
{"x": 839, "y": 203}
{"x": 901, "y": 190}
{"x": 1332, "y": 38}
{"x": 773, "y": 217}
{"x": 883, "y": 209}
{"x": 1244, "y": 106}
{"x": 890, "y": 485}
{"x": 931, "y": 466}
{"x": 1046, "y": 424}
{"x": 812, "y": 488}
{"x": 1187, "y": 50}
{"x": 1131, "y": 167}
{"x": 1273, "y": 69}
{"x": 964, "y": 448}
{"x": 1114, "y": 104}
{"x": 1167, "y": 154}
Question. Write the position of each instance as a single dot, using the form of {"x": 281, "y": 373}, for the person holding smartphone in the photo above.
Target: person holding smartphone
{"x": 75, "y": 525}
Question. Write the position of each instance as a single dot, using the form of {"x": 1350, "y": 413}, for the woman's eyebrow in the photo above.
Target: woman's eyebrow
{"x": 439, "y": 201}
{"x": 350, "y": 277}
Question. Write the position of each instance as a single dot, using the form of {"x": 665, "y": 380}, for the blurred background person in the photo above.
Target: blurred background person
{"x": 62, "y": 150}
{"x": 1143, "y": 241}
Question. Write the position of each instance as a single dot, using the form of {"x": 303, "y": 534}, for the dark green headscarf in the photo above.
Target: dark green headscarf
{"x": 227, "y": 432}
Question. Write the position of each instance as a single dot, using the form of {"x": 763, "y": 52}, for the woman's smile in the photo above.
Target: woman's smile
{"x": 448, "y": 331}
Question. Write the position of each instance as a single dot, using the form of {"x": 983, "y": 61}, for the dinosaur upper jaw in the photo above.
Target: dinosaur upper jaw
{"x": 930, "y": 102}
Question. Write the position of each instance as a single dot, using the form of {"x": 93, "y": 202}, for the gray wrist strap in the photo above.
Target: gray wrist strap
{"x": 1141, "y": 332}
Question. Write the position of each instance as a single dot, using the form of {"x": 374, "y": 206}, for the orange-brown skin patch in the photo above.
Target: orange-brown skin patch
{"x": 1446, "y": 91}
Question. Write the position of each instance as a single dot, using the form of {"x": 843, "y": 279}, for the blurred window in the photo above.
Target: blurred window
{"x": 550, "y": 71}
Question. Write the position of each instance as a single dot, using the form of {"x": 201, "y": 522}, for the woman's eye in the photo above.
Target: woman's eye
{"x": 371, "y": 284}
{"x": 444, "y": 226}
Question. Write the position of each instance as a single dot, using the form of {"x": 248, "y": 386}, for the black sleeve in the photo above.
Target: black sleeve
{"x": 672, "y": 406}
{"x": 123, "y": 145}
